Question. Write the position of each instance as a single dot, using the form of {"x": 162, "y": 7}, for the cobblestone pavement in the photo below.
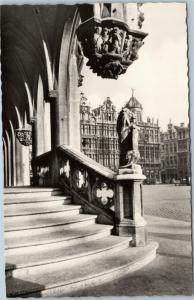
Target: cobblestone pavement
{"x": 170, "y": 273}
{"x": 168, "y": 201}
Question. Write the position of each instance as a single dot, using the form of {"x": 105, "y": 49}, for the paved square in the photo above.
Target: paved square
{"x": 168, "y": 201}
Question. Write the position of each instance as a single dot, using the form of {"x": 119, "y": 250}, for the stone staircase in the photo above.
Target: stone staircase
{"x": 52, "y": 249}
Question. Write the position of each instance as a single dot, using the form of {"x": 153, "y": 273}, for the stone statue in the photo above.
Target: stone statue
{"x": 128, "y": 140}
{"x": 105, "y": 40}
{"x": 97, "y": 38}
{"x": 115, "y": 43}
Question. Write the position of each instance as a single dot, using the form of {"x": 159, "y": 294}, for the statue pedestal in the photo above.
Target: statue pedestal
{"x": 129, "y": 208}
{"x": 136, "y": 169}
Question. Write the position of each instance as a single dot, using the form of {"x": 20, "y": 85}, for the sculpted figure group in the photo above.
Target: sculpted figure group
{"x": 115, "y": 41}
{"x": 110, "y": 50}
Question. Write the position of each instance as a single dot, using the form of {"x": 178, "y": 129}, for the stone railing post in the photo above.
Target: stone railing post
{"x": 129, "y": 208}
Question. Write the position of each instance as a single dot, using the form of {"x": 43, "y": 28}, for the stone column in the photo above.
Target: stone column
{"x": 9, "y": 159}
{"x": 74, "y": 105}
{"x": 25, "y": 166}
{"x": 65, "y": 105}
{"x": 55, "y": 136}
{"x": 5, "y": 163}
{"x": 47, "y": 127}
{"x": 129, "y": 208}
{"x": 33, "y": 122}
{"x": 13, "y": 154}
{"x": 22, "y": 164}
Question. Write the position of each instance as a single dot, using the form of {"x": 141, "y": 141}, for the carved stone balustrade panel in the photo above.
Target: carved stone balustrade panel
{"x": 80, "y": 180}
{"x": 43, "y": 174}
{"x": 65, "y": 169}
{"x": 103, "y": 193}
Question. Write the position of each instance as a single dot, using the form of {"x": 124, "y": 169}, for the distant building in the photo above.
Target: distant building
{"x": 183, "y": 152}
{"x": 149, "y": 142}
{"x": 175, "y": 153}
{"x": 169, "y": 165}
{"x": 99, "y": 138}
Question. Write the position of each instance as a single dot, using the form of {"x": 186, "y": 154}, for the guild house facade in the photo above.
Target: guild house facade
{"x": 175, "y": 154}
{"x": 99, "y": 139}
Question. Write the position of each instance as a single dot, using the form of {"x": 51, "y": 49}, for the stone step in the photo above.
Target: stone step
{"x": 44, "y": 221}
{"x": 30, "y": 263}
{"x": 21, "y": 210}
{"x": 29, "y": 192}
{"x": 60, "y": 281}
{"x": 37, "y": 200}
{"x": 73, "y": 230}
{"x": 65, "y": 237}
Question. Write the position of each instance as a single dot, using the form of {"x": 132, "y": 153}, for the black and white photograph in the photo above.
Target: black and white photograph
{"x": 96, "y": 150}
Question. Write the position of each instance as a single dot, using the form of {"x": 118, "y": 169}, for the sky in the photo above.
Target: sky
{"x": 159, "y": 76}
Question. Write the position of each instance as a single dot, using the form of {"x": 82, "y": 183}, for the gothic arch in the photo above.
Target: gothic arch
{"x": 43, "y": 126}
{"x": 68, "y": 96}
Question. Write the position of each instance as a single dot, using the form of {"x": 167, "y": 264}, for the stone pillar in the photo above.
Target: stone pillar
{"x": 129, "y": 208}
{"x": 65, "y": 105}
{"x": 74, "y": 105}
{"x": 22, "y": 164}
{"x": 5, "y": 163}
{"x": 25, "y": 166}
{"x": 13, "y": 154}
{"x": 33, "y": 122}
{"x": 47, "y": 127}
{"x": 9, "y": 159}
{"x": 55, "y": 136}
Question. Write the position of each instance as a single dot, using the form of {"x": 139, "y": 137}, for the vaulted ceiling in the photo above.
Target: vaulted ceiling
{"x": 23, "y": 30}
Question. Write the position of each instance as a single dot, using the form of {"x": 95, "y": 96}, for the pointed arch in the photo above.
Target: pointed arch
{"x": 5, "y": 163}
{"x": 48, "y": 67}
{"x": 9, "y": 162}
{"x": 13, "y": 154}
{"x": 18, "y": 117}
{"x": 68, "y": 95}
{"x": 29, "y": 98}
{"x": 43, "y": 121}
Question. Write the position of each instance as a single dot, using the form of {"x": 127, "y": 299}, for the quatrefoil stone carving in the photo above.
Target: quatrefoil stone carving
{"x": 82, "y": 179}
{"x": 65, "y": 169}
{"x": 104, "y": 193}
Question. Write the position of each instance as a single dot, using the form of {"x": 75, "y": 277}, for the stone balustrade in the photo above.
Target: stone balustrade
{"x": 88, "y": 182}
{"x": 42, "y": 169}
{"x": 115, "y": 198}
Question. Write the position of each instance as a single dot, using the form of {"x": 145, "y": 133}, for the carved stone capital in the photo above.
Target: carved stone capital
{"x": 33, "y": 120}
{"x": 110, "y": 45}
{"x": 53, "y": 94}
{"x": 24, "y": 136}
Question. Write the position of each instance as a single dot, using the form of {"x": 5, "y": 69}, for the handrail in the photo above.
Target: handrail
{"x": 88, "y": 162}
{"x": 43, "y": 156}
{"x": 88, "y": 182}
{"x": 115, "y": 198}
{"x": 42, "y": 169}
